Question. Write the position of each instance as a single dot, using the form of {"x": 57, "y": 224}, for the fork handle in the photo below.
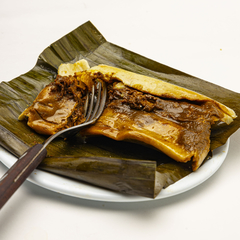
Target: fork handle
{"x": 19, "y": 172}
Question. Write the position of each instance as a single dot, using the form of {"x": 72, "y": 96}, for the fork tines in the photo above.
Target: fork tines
{"x": 95, "y": 105}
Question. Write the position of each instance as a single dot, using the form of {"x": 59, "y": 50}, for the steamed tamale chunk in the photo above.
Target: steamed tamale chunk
{"x": 58, "y": 106}
{"x": 181, "y": 129}
{"x": 142, "y": 109}
{"x": 61, "y": 103}
{"x": 174, "y": 120}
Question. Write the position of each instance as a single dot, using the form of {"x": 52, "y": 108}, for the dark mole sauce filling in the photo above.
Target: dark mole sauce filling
{"x": 70, "y": 88}
{"x": 195, "y": 118}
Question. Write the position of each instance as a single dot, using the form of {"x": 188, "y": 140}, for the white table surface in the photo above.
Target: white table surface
{"x": 201, "y": 38}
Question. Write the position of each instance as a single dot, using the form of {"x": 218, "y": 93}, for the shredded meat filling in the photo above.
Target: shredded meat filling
{"x": 180, "y": 111}
{"x": 71, "y": 89}
{"x": 196, "y": 118}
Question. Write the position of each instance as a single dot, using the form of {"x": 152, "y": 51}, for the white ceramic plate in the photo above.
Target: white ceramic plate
{"x": 78, "y": 189}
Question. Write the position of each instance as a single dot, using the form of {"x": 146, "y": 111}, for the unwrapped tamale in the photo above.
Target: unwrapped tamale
{"x": 142, "y": 109}
{"x": 67, "y": 157}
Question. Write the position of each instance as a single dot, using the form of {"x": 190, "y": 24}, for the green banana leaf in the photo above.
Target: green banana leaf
{"x": 101, "y": 158}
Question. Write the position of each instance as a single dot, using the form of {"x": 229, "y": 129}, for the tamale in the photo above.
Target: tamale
{"x": 86, "y": 42}
{"x": 172, "y": 119}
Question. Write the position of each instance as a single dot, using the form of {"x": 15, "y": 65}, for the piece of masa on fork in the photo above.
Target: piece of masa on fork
{"x": 24, "y": 166}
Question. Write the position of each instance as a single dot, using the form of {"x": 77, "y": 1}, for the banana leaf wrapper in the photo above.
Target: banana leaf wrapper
{"x": 140, "y": 178}
{"x": 84, "y": 161}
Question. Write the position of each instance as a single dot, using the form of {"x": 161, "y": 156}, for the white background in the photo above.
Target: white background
{"x": 201, "y": 38}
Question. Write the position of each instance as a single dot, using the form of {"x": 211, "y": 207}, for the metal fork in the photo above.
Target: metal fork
{"x": 24, "y": 166}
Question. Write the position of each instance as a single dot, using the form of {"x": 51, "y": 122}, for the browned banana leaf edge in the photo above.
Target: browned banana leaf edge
{"x": 119, "y": 166}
